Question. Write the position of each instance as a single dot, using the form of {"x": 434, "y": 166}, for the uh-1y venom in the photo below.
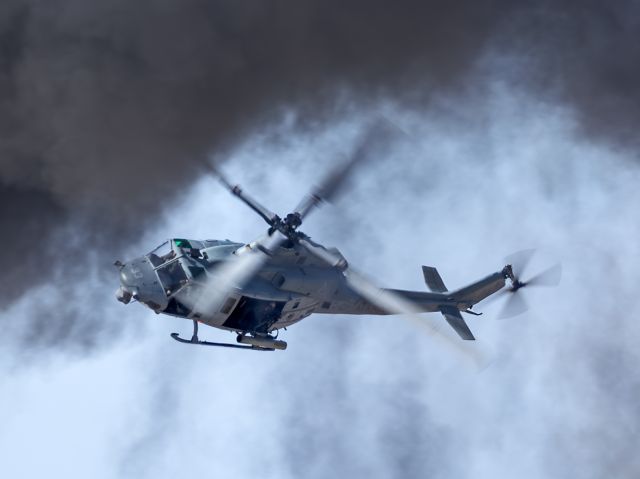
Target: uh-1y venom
{"x": 258, "y": 288}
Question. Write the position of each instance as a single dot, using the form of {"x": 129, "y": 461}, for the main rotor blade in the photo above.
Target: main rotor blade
{"x": 233, "y": 274}
{"x": 549, "y": 277}
{"x": 373, "y": 142}
{"x": 393, "y": 303}
{"x": 266, "y": 214}
{"x": 519, "y": 261}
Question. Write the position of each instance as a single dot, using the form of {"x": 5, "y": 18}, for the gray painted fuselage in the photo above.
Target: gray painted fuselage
{"x": 291, "y": 285}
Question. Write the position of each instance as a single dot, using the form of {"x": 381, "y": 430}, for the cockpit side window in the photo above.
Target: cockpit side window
{"x": 172, "y": 277}
{"x": 155, "y": 259}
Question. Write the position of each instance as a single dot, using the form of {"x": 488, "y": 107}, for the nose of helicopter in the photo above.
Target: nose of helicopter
{"x": 123, "y": 295}
{"x": 127, "y": 276}
{"x": 139, "y": 281}
{"x": 128, "y": 283}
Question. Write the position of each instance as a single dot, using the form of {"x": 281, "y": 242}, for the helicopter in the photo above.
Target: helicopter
{"x": 258, "y": 288}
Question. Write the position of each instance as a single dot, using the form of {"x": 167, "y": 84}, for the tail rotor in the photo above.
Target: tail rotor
{"x": 516, "y": 266}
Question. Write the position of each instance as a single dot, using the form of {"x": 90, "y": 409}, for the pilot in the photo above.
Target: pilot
{"x": 155, "y": 259}
{"x": 170, "y": 255}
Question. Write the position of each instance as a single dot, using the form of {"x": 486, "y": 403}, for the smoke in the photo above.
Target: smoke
{"x": 373, "y": 396}
{"x": 522, "y": 120}
{"x": 462, "y": 197}
{"x": 108, "y": 111}
{"x": 478, "y": 178}
{"x": 584, "y": 55}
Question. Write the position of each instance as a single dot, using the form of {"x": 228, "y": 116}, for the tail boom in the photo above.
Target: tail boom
{"x": 476, "y": 292}
{"x": 439, "y": 299}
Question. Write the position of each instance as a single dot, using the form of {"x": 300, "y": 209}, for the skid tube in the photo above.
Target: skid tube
{"x": 177, "y": 337}
{"x": 194, "y": 340}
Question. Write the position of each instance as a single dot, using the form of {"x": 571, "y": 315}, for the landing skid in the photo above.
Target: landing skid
{"x": 194, "y": 340}
{"x": 177, "y": 337}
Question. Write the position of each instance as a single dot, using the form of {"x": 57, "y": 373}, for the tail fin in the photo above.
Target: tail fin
{"x": 433, "y": 279}
{"x": 450, "y": 313}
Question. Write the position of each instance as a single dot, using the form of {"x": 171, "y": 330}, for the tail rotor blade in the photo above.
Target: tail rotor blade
{"x": 520, "y": 260}
{"x": 549, "y": 277}
{"x": 514, "y": 306}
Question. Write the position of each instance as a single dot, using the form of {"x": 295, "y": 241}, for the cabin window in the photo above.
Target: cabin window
{"x": 228, "y": 305}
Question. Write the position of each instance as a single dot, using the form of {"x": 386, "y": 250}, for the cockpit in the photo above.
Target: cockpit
{"x": 169, "y": 264}
{"x": 163, "y": 278}
{"x": 178, "y": 261}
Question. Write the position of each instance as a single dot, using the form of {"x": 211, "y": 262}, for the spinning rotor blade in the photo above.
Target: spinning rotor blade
{"x": 234, "y": 273}
{"x": 514, "y": 306}
{"x": 549, "y": 277}
{"x": 520, "y": 260}
{"x": 270, "y": 217}
{"x": 373, "y": 142}
{"x": 393, "y": 303}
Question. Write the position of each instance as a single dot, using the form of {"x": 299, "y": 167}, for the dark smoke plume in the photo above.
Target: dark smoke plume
{"x": 582, "y": 53}
{"x": 108, "y": 109}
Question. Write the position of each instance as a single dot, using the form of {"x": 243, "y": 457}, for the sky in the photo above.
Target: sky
{"x": 519, "y": 127}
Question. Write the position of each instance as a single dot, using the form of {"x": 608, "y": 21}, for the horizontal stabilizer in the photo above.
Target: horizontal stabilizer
{"x": 433, "y": 279}
{"x": 454, "y": 318}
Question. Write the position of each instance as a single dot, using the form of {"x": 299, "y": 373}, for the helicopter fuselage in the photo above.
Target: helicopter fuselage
{"x": 290, "y": 286}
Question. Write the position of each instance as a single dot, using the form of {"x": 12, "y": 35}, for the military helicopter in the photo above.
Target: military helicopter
{"x": 256, "y": 289}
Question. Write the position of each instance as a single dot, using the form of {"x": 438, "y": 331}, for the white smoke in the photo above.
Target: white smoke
{"x": 354, "y": 396}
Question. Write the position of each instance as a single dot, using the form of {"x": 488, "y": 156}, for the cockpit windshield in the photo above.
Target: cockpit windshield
{"x": 162, "y": 254}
